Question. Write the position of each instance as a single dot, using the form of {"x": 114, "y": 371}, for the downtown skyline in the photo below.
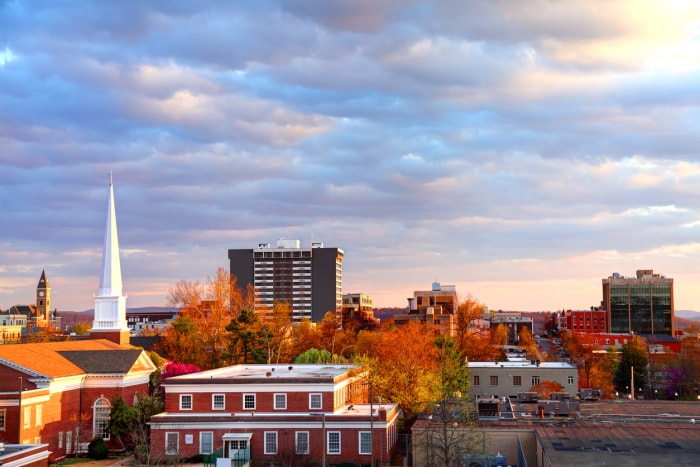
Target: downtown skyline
{"x": 519, "y": 151}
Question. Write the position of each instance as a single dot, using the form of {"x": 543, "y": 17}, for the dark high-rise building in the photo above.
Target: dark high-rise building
{"x": 308, "y": 279}
{"x": 641, "y": 304}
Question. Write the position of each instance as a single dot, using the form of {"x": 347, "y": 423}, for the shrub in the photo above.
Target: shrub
{"x": 98, "y": 449}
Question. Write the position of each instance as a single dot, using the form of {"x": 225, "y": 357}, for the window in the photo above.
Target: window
{"x": 69, "y": 441}
{"x": 535, "y": 380}
{"x": 280, "y": 401}
{"x": 27, "y": 417}
{"x": 476, "y": 380}
{"x": 517, "y": 381}
{"x": 301, "y": 443}
{"x": 206, "y": 442}
{"x": 60, "y": 440}
{"x": 172, "y": 442}
{"x": 365, "y": 442}
{"x": 315, "y": 401}
{"x": 571, "y": 380}
{"x": 333, "y": 442}
{"x": 493, "y": 380}
{"x": 37, "y": 415}
{"x": 270, "y": 442}
{"x": 2, "y": 419}
{"x": 249, "y": 401}
{"x": 185, "y": 401}
{"x": 218, "y": 402}
{"x": 607, "y": 341}
{"x": 100, "y": 418}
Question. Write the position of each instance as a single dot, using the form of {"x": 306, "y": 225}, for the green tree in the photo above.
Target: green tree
{"x": 450, "y": 431}
{"x": 246, "y": 341}
{"x": 633, "y": 355}
{"x": 314, "y": 356}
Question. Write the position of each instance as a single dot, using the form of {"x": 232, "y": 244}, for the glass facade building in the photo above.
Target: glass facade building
{"x": 641, "y": 304}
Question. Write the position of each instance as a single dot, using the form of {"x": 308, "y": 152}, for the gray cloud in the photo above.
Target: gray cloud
{"x": 537, "y": 146}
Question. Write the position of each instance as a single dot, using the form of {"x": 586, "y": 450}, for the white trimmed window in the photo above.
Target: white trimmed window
{"x": 27, "y": 417}
{"x": 60, "y": 440}
{"x": 172, "y": 442}
{"x": 206, "y": 442}
{"x": 315, "y": 401}
{"x": 333, "y": 442}
{"x": 2, "y": 419}
{"x": 248, "y": 401}
{"x": 570, "y": 380}
{"x": 535, "y": 380}
{"x": 185, "y": 401}
{"x": 37, "y": 415}
{"x": 100, "y": 418}
{"x": 69, "y": 441}
{"x": 365, "y": 446}
{"x": 301, "y": 442}
{"x": 270, "y": 442}
{"x": 280, "y": 402}
{"x": 218, "y": 402}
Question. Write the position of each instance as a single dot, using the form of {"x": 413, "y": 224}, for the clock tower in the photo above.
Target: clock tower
{"x": 43, "y": 300}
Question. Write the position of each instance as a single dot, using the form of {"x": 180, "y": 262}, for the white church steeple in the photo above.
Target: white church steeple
{"x": 110, "y": 304}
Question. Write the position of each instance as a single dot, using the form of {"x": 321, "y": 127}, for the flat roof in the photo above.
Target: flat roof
{"x": 275, "y": 372}
{"x": 521, "y": 364}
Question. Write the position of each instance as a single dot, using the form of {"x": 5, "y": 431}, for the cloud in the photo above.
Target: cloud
{"x": 509, "y": 148}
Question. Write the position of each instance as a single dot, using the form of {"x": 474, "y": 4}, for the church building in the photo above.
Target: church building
{"x": 61, "y": 393}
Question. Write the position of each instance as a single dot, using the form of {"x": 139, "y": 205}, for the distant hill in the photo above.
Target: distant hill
{"x": 688, "y": 314}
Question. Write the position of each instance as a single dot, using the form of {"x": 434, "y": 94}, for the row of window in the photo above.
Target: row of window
{"x": 588, "y": 318}
{"x": 517, "y": 380}
{"x": 271, "y": 446}
{"x": 218, "y": 401}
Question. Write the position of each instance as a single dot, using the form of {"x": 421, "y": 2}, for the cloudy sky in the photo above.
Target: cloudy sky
{"x": 521, "y": 151}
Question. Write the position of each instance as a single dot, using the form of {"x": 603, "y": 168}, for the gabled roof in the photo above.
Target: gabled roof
{"x": 70, "y": 358}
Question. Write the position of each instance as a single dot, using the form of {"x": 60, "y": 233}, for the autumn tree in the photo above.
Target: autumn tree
{"x": 401, "y": 363}
{"x": 181, "y": 342}
{"x": 684, "y": 374}
{"x": 304, "y": 336}
{"x": 275, "y": 332}
{"x": 593, "y": 365}
{"x": 527, "y": 342}
{"x": 545, "y": 388}
{"x": 469, "y": 313}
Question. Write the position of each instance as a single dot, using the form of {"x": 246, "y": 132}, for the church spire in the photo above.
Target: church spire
{"x": 111, "y": 278}
{"x": 110, "y": 303}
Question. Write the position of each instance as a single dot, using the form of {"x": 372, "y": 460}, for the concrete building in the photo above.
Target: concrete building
{"x": 275, "y": 415}
{"x": 514, "y": 322}
{"x": 507, "y": 379}
{"x": 641, "y": 304}
{"x": 442, "y": 297}
{"x": 357, "y": 309}
{"x": 435, "y": 307}
{"x": 308, "y": 279}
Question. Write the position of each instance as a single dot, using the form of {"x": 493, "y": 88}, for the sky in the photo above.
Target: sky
{"x": 521, "y": 151}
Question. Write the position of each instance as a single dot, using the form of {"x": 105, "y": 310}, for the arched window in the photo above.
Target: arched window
{"x": 100, "y": 418}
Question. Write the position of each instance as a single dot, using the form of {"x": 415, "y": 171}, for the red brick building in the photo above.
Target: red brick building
{"x": 276, "y": 414}
{"x": 60, "y": 393}
{"x": 587, "y": 321}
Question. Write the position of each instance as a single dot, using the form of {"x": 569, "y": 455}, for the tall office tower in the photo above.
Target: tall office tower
{"x": 308, "y": 279}
{"x": 641, "y": 304}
